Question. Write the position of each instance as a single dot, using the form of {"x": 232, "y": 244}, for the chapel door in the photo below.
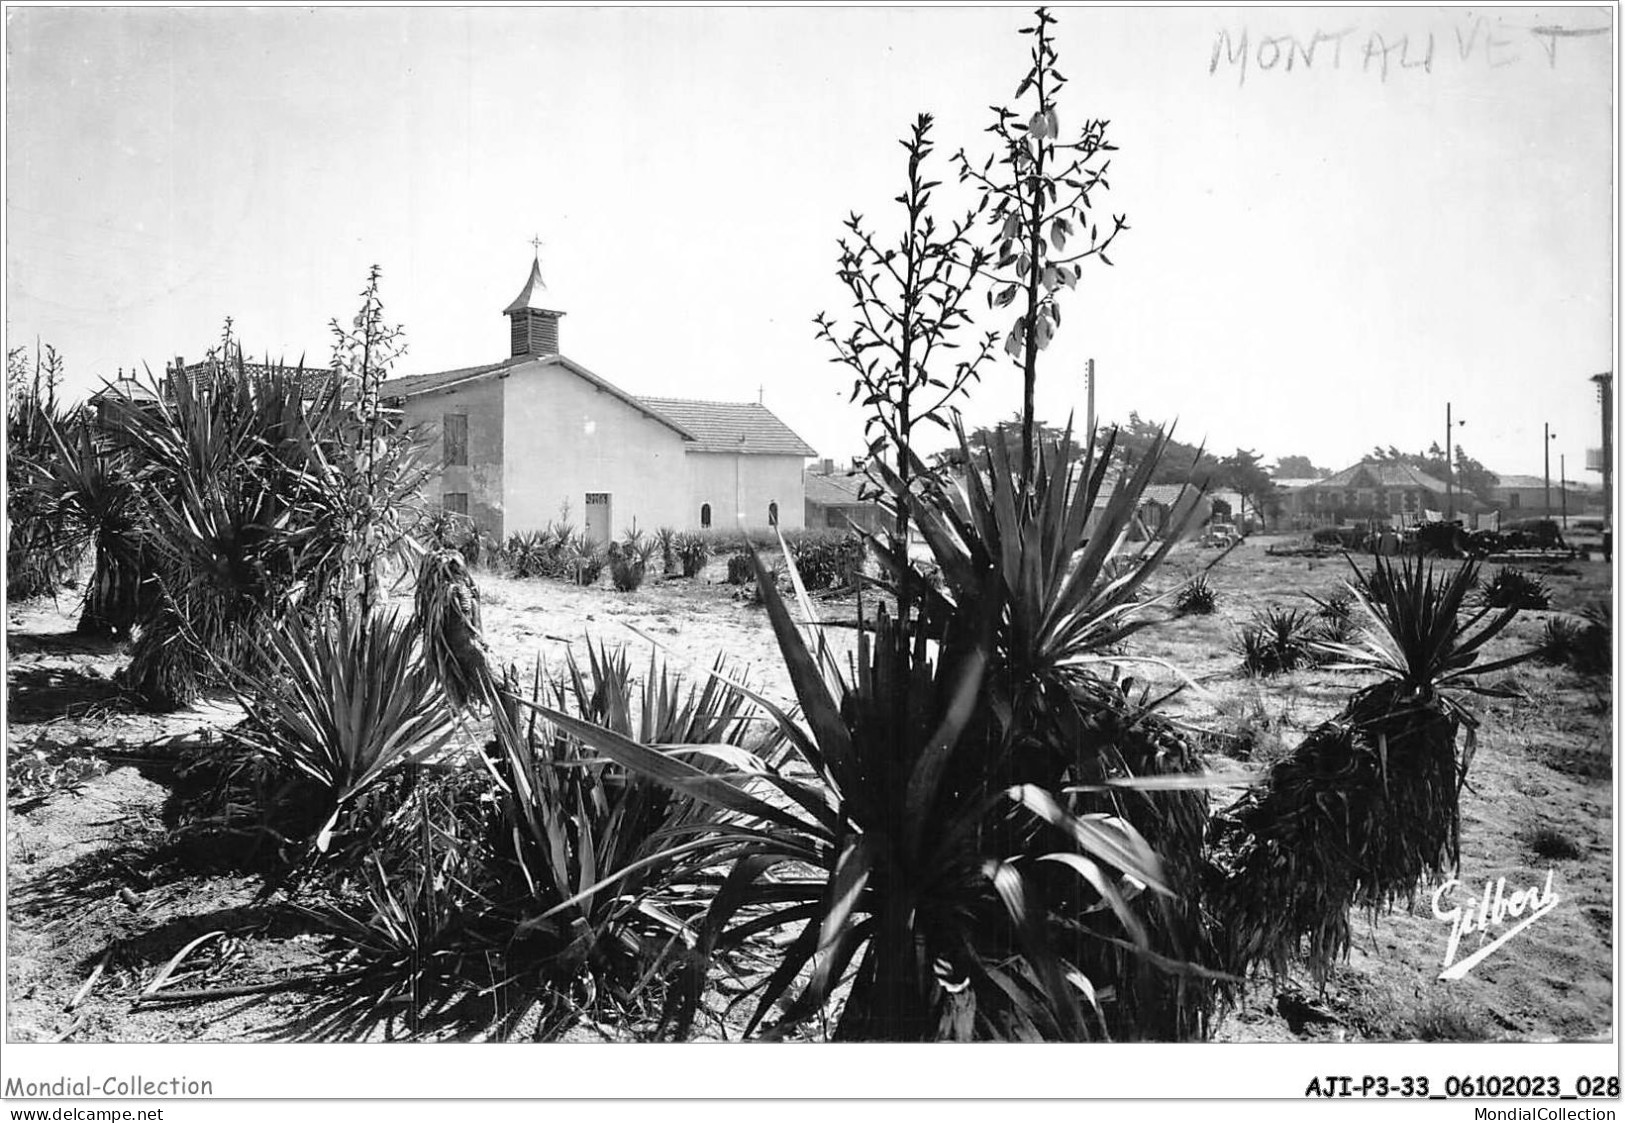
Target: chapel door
{"x": 598, "y": 517}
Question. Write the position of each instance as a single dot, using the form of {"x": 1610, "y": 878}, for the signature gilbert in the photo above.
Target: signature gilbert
{"x": 1487, "y": 913}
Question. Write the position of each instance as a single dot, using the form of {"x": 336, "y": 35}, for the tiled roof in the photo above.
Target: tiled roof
{"x": 412, "y": 384}
{"x": 1293, "y": 483}
{"x": 126, "y": 388}
{"x": 1528, "y": 481}
{"x": 1166, "y": 494}
{"x": 839, "y": 490}
{"x": 732, "y": 427}
{"x": 441, "y": 380}
{"x": 1385, "y": 473}
{"x": 313, "y": 380}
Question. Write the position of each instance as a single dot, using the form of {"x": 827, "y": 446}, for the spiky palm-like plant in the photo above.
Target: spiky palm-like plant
{"x": 94, "y": 495}
{"x": 227, "y": 509}
{"x": 42, "y": 545}
{"x": 1369, "y": 803}
{"x": 345, "y": 704}
{"x": 1068, "y": 590}
{"x": 447, "y": 616}
{"x": 969, "y": 866}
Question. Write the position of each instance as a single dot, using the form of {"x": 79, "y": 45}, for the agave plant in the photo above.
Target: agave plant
{"x": 1369, "y": 803}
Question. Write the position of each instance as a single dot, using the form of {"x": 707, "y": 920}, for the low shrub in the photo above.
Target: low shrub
{"x": 1277, "y": 640}
{"x": 1334, "y": 619}
{"x": 693, "y": 551}
{"x": 1513, "y": 588}
{"x": 1248, "y": 731}
{"x": 629, "y": 561}
{"x": 1585, "y": 645}
{"x": 827, "y": 559}
{"x": 586, "y": 560}
{"x": 1552, "y": 844}
{"x": 666, "y": 542}
{"x": 739, "y": 572}
{"x": 1196, "y": 599}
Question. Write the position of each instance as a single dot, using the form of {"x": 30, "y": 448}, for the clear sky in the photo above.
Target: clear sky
{"x": 1323, "y": 251}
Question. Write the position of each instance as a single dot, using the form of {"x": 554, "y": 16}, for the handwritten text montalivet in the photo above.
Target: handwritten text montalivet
{"x": 1479, "y": 43}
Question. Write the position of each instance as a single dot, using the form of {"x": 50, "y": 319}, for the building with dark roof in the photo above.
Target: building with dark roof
{"x": 1379, "y": 490}
{"x": 537, "y": 437}
{"x": 838, "y": 499}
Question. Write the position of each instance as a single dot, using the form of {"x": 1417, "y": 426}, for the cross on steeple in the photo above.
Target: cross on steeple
{"x": 537, "y": 243}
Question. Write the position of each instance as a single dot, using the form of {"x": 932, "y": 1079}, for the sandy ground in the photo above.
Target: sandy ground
{"x": 89, "y": 896}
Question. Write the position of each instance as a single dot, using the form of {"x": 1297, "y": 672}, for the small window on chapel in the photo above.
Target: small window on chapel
{"x": 705, "y": 516}
{"x": 455, "y": 427}
{"x": 455, "y": 502}
{"x": 773, "y": 514}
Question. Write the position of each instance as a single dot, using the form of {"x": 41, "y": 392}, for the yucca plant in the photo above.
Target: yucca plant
{"x": 93, "y": 496}
{"x": 447, "y": 617}
{"x": 1067, "y": 579}
{"x": 968, "y": 900}
{"x": 693, "y": 551}
{"x": 1369, "y": 803}
{"x": 1277, "y": 641}
{"x": 1197, "y": 598}
{"x": 1068, "y": 592}
{"x": 1513, "y": 588}
{"x": 42, "y": 549}
{"x": 629, "y": 561}
{"x": 666, "y": 541}
{"x": 1585, "y": 644}
{"x": 345, "y": 704}
{"x": 880, "y": 866}
{"x": 602, "y": 857}
{"x": 1334, "y": 623}
{"x": 527, "y": 553}
{"x": 230, "y": 474}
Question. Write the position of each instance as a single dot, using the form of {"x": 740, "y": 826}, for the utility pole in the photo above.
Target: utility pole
{"x": 1449, "y": 472}
{"x": 1546, "y": 451}
{"x": 1089, "y": 382}
{"x": 1563, "y": 486}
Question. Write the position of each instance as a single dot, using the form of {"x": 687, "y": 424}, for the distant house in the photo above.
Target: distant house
{"x": 536, "y": 434}
{"x": 1524, "y": 497}
{"x": 835, "y": 500}
{"x": 1377, "y": 490}
{"x": 1156, "y": 507}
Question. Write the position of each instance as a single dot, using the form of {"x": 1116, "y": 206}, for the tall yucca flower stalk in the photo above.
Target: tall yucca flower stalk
{"x": 1369, "y": 803}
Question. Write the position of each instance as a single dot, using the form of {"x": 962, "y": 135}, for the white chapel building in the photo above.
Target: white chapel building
{"x": 521, "y": 439}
